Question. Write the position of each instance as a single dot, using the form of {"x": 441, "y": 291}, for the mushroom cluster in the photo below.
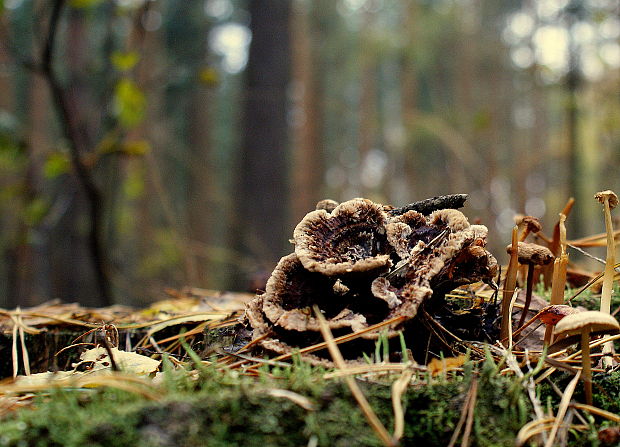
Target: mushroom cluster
{"x": 364, "y": 263}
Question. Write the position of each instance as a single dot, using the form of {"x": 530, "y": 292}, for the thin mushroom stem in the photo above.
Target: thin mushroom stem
{"x": 528, "y": 293}
{"x": 510, "y": 282}
{"x": 608, "y": 277}
{"x": 586, "y": 373}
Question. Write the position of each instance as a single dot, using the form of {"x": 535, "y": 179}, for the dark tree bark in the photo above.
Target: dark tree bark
{"x": 307, "y": 139}
{"x": 262, "y": 200}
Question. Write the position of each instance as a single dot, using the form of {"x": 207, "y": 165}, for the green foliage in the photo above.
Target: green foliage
{"x": 130, "y": 103}
{"x": 592, "y": 301}
{"x": 84, "y": 4}
{"x": 124, "y": 61}
{"x": 133, "y": 186}
{"x": 165, "y": 252}
{"x": 35, "y": 211}
{"x": 136, "y": 147}
{"x": 209, "y": 76}
{"x": 56, "y": 164}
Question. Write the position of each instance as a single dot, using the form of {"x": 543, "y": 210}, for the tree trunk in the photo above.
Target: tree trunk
{"x": 262, "y": 199}
{"x": 307, "y": 149}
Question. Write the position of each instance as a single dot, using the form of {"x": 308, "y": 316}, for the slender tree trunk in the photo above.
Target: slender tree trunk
{"x": 368, "y": 97}
{"x": 406, "y": 164}
{"x": 84, "y": 273}
{"x": 308, "y": 150}
{"x": 262, "y": 199}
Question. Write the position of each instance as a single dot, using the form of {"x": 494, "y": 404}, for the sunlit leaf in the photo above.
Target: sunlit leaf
{"x": 130, "y": 103}
{"x": 124, "y": 61}
{"x": 437, "y": 366}
{"x": 83, "y": 4}
{"x": 137, "y": 147}
{"x": 56, "y": 164}
{"x": 134, "y": 184}
{"x": 127, "y": 361}
{"x": 209, "y": 76}
{"x": 35, "y": 211}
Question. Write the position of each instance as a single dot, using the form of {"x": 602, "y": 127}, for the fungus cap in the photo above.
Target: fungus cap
{"x": 529, "y": 253}
{"x": 349, "y": 239}
{"x": 556, "y": 312}
{"x": 609, "y": 194}
{"x": 597, "y": 321}
{"x": 532, "y": 223}
{"x": 326, "y": 204}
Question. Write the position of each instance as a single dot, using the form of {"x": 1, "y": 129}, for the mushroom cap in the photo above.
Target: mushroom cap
{"x": 556, "y": 312}
{"x": 609, "y": 194}
{"x": 349, "y": 239}
{"x": 529, "y": 253}
{"x": 597, "y": 321}
{"x": 531, "y": 223}
{"x": 326, "y": 204}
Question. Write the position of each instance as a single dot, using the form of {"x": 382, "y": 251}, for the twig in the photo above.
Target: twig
{"x": 427, "y": 206}
{"x": 367, "y": 410}
{"x": 471, "y": 409}
{"x": 82, "y": 172}
{"x": 597, "y": 411}
{"x": 566, "y": 397}
{"x": 107, "y": 347}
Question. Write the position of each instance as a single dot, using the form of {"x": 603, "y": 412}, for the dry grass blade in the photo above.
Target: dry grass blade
{"x": 470, "y": 413}
{"x": 341, "y": 339}
{"x": 376, "y": 368}
{"x": 370, "y": 415}
{"x": 533, "y": 428}
{"x": 123, "y": 382}
{"x": 467, "y": 408}
{"x": 595, "y": 240}
{"x": 297, "y": 399}
{"x": 564, "y": 403}
{"x": 597, "y": 411}
{"x": 14, "y": 356}
{"x": 398, "y": 388}
{"x": 574, "y": 355}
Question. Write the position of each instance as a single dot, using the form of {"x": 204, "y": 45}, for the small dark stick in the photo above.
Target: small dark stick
{"x": 427, "y": 206}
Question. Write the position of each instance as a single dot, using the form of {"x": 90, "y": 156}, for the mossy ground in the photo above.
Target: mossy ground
{"x": 226, "y": 408}
{"x": 229, "y": 409}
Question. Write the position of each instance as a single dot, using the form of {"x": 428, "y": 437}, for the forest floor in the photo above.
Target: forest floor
{"x": 164, "y": 377}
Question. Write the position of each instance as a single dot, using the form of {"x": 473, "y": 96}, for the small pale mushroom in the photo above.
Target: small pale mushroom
{"x": 609, "y": 199}
{"x": 530, "y": 224}
{"x": 530, "y": 255}
{"x": 583, "y": 324}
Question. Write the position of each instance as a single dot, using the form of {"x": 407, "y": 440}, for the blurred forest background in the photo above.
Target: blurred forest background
{"x": 150, "y": 144}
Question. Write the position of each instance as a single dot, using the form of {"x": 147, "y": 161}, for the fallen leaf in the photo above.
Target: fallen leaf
{"x": 437, "y": 366}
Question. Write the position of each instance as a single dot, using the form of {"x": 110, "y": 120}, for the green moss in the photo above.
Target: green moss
{"x": 227, "y": 409}
{"x": 592, "y": 301}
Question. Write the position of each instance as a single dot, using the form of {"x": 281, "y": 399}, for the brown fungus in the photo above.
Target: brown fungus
{"x": 326, "y": 204}
{"x": 362, "y": 265}
{"x": 530, "y": 224}
{"x": 349, "y": 239}
{"x": 292, "y": 291}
